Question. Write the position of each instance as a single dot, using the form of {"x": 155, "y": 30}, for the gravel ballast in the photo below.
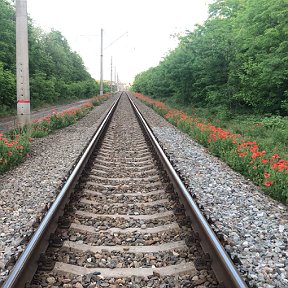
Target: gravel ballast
{"x": 27, "y": 191}
{"x": 117, "y": 253}
{"x": 254, "y": 226}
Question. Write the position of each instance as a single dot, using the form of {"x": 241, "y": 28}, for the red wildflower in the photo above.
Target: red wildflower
{"x": 268, "y": 183}
{"x": 254, "y": 149}
{"x": 266, "y": 175}
{"x": 275, "y": 156}
{"x": 255, "y": 154}
{"x": 242, "y": 154}
{"x": 262, "y": 153}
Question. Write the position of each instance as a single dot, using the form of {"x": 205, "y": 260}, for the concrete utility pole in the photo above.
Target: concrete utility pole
{"x": 111, "y": 77}
{"x": 115, "y": 83}
{"x": 101, "y": 65}
{"x": 22, "y": 64}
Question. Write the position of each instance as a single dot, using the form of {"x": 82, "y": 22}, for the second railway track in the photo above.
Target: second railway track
{"x": 124, "y": 225}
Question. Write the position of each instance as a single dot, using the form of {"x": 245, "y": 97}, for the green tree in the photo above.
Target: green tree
{"x": 260, "y": 69}
{"x": 237, "y": 59}
{"x": 7, "y": 87}
{"x": 56, "y": 72}
{"x": 7, "y": 36}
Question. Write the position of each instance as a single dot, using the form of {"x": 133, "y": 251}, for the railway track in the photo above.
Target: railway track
{"x": 123, "y": 225}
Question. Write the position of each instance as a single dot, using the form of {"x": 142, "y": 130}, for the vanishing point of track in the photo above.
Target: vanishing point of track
{"x": 118, "y": 221}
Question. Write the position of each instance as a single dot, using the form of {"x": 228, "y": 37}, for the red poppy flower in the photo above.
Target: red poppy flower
{"x": 268, "y": 183}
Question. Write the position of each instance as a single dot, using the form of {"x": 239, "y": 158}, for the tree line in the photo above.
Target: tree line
{"x": 238, "y": 59}
{"x": 56, "y": 72}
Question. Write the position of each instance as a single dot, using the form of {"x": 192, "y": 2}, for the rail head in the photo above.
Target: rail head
{"x": 26, "y": 265}
{"x": 222, "y": 265}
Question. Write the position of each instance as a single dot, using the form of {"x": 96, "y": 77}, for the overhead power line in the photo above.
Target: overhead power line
{"x": 116, "y": 40}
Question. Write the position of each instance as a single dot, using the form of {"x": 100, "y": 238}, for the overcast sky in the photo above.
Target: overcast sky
{"x": 143, "y": 29}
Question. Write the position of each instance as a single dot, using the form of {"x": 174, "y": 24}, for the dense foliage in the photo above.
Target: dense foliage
{"x": 237, "y": 60}
{"x": 56, "y": 72}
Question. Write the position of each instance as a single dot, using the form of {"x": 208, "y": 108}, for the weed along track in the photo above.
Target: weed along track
{"x": 123, "y": 225}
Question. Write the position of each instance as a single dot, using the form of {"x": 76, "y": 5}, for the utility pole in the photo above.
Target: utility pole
{"x": 115, "y": 83}
{"x": 101, "y": 65}
{"x": 22, "y": 64}
{"x": 111, "y": 77}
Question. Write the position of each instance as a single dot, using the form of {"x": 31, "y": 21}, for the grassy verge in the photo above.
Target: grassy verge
{"x": 15, "y": 145}
{"x": 270, "y": 132}
{"x": 247, "y": 146}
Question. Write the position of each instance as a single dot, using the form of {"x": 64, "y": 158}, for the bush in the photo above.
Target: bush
{"x": 13, "y": 150}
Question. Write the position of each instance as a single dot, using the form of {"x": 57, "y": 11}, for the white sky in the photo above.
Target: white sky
{"x": 149, "y": 24}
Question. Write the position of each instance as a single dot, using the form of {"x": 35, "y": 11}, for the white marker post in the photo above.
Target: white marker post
{"x": 22, "y": 65}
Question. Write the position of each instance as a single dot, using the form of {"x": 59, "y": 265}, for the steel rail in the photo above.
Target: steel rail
{"x": 221, "y": 263}
{"x": 26, "y": 266}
